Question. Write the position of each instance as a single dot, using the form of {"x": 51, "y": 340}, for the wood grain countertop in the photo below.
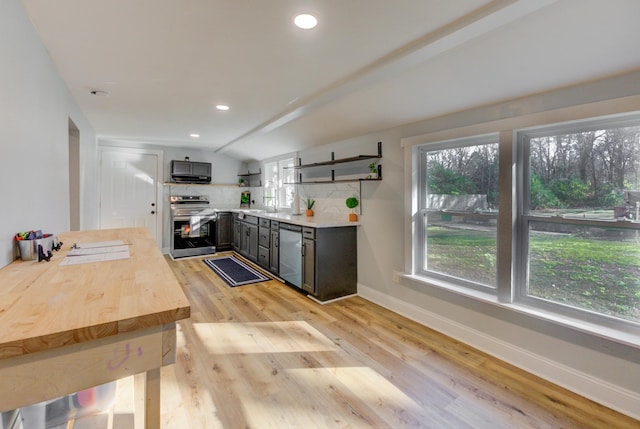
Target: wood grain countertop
{"x": 44, "y": 305}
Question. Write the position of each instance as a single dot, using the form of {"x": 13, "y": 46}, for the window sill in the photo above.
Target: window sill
{"x": 629, "y": 338}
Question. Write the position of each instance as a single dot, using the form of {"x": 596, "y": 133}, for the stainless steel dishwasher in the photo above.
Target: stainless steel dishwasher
{"x": 291, "y": 254}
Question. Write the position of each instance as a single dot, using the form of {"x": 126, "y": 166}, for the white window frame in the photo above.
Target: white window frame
{"x": 510, "y": 185}
{"x": 281, "y": 187}
{"x": 521, "y": 284}
{"x": 419, "y": 242}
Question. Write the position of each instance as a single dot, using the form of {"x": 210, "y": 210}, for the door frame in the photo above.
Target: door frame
{"x": 75, "y": 184}
{"x": 159, "y": 181}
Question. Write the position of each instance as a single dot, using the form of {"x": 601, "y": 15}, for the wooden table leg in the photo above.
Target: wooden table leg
{"x": 147, "y": 399}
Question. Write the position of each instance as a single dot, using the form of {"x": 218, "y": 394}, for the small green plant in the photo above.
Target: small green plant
{"x": 373, "y": 167}
{"x": 310, "y": 202}
{"x": 352, "y": 202}
{"x": 241, "y": 181}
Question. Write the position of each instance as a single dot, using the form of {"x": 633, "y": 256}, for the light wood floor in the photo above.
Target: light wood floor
{"x": 265, "y": 356}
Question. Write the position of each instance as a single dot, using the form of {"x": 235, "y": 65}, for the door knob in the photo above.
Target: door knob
{"x": 153, "y": 204}
{"x": 153, "y": 212}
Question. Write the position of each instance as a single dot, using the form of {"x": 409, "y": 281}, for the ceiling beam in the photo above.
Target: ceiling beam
{"x": 459, "y": 31}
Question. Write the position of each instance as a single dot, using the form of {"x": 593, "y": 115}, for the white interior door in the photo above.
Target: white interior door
{"x": 128, "y": 196}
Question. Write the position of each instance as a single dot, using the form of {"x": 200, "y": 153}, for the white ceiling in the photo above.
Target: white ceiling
{"x": 368, "y": 65}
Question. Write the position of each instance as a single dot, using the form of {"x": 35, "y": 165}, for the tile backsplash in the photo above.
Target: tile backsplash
{"x": 330, "y": 197}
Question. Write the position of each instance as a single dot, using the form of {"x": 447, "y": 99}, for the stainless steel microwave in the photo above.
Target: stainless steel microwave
{"x": 190, "y": 172}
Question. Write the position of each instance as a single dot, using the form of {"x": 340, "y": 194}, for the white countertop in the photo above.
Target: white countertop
{"x": 319, "y": 220}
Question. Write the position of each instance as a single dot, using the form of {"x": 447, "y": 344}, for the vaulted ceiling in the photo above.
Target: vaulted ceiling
{"x": 368, "y": 65}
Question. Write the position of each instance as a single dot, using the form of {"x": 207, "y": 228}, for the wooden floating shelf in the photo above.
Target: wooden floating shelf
{"x": 247, "y": 174}
{"x": 334, "y": 161}
{"x": 315, "y": 182}
{"x": 199, "y": 184}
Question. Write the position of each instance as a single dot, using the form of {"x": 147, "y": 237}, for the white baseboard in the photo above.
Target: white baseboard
{"x": 603, "y": 392}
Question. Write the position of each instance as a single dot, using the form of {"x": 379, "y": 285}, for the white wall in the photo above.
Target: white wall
{"x": 224, "y": 172}
{"x": 35, "y": 107}
{"x": 603, "y": 370}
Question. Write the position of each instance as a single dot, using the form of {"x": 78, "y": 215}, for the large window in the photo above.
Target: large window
{"x": 570, "y": 228}
{"x": 580, "y": 218}
{"x": 277, "y": 188}
{"x": 458, "y": 206}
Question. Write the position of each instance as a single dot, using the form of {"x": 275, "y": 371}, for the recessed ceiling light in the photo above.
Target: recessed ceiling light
{"x": 305, "y": 21}
{"x": 194, "y": 135}
{"x": 222, "y": 107}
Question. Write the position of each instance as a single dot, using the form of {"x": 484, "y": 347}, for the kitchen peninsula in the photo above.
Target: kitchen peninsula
{"x": 68, "y": 328}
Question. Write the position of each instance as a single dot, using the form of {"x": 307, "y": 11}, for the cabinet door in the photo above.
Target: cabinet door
{"x": 309, "y": 265}
{"x": 237, "y": 233}
{"x": 252, "y": 251}
{"x": 224, "y": 231}
{"x": 244, "y": 239}
{"x": 274, "y": 254}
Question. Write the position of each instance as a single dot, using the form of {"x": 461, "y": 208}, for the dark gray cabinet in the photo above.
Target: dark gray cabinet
{"x": 274, "y": 247}
{"x": 329, "y": 262}
{"x": 224, "y": 231}
{"x": 249, "y": 238}
{"x": 264, "y": 241}
{"x": 309, "y": 260}
{"x": 237, "y": 232}
{"x": 329, "y": 255}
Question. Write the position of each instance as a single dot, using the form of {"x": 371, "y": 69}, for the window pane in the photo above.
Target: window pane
{"x": 461, "y": 247}
{"x": 591, "y": 268}
{"x": 463, "y": 178}
{"x": 278, "y": 192}
{"x": 270, "y": 184}
{"x": 287, "y": 175}
{"x": 458, "y": 180}
{"x": 586, "y": 175}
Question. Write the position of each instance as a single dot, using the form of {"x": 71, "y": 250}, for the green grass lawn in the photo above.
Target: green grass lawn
{"x": 596, "y": 274}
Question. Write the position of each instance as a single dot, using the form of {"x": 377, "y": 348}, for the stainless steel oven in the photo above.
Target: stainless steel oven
{"x": 193, "y": 226}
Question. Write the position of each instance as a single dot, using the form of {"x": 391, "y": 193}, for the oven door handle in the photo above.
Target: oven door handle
{"x": 182, "y": 218}
{"x": 203, "y": 219}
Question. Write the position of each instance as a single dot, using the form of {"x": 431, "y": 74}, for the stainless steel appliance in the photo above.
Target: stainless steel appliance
{"x": 190, "y": 172}
{"x": 291, "y": 253}
{"x": 193, "y": 226}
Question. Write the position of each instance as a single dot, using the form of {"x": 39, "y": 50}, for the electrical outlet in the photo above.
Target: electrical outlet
{"x": 396, "y": 276}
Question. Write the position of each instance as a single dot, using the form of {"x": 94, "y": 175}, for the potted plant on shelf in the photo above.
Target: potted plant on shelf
{"x": 241, "y": 181}
{"x": 352, "y": 203}
{"x": 373, "y": 169}
{"x": 310, "y": 202}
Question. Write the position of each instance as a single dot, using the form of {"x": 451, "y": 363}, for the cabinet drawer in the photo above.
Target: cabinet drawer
{"x": 308, "y": 232}
{"x": 265, "y": 222}
{"x": 263, "y": 257}
{"x": 250, "y": 219}
{"x": 275, "y": 224}
{"x": 264, "y": 235}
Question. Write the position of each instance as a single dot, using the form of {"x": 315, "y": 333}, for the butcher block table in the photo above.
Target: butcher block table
{"x": 68, "y": 328}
